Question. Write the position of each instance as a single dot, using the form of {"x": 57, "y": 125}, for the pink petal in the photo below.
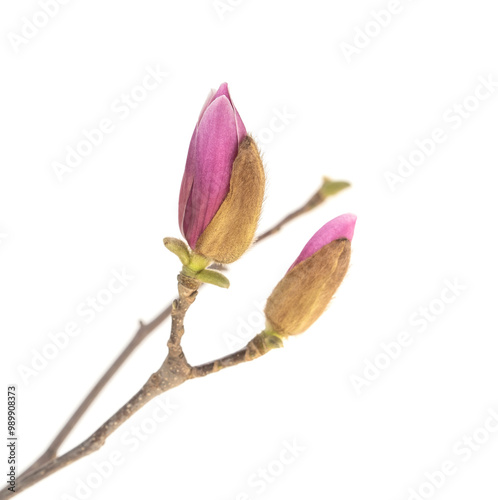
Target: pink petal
{"x": 223, "y": 91}
{"x": 338, "y": 228}
{"x": 209, "y": 100}
{"x": 216, "y": 146}
{"x": 213, "y": 148}
{"x": 241, "y": 129}
{"x": 188, "y": 176}
{"x": 187, "y": 181}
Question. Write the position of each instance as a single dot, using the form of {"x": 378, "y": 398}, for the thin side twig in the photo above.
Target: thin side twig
{"x": 143, "y": 331}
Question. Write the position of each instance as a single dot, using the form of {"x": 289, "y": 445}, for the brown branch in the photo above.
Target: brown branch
{"x": 328, "y": 188}
{"x": 174, "y": 371}
{"x": 90, "y": 445}
{"x": 143, "y": 331}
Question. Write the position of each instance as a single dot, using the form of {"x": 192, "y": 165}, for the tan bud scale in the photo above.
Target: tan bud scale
{"x": 232, "y": 229}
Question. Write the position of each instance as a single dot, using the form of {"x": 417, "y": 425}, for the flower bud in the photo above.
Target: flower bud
{"x": 223, "y": 184}
{"x": 304, "y": 292}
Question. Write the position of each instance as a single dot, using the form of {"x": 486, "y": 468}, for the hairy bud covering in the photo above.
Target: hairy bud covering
{"x": 232, "y": 229}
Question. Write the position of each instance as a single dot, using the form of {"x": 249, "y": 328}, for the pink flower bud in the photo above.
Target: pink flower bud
{"x": 213, "y": 149}
{"x": 304, "y": 292}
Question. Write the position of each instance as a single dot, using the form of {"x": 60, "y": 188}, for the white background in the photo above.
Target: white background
{"x": 349, "y": 120}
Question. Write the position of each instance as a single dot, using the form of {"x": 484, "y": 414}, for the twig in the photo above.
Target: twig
{"x": 142, "y": 333}
{"x": 327, "y": 189}
{"x": 257, "y": 347}
{"x": 174, "y": 371}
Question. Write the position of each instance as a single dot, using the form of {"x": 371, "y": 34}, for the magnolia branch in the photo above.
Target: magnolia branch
{"x": 141, "y": 334}
{"x": 175, "y": 368}
{"x": 173, "y": 372}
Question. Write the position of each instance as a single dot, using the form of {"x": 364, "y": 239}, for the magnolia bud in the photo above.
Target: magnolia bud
{"x": 223, "y": 184}
{"x": 304, "y": 292}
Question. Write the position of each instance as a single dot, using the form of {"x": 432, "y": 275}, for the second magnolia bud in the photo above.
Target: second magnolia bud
{"x": 304, "y": 292}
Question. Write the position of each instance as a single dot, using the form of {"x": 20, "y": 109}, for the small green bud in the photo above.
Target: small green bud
{"x": 330, "y": 187}
{"x": 265, "y": 342}
{"x": 179, "y": 248}
{"x": 213, "y": 278}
